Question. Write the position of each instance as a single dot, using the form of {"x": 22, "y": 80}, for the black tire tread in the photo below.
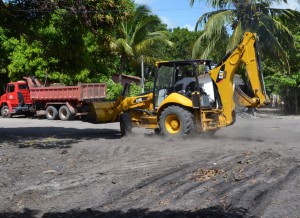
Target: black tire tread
{"x": 69, "y": 115}
{"x": 2, "y": 109}
{"x": 125, "y": 124}
{"x": 55, "y": 113}
{"x": 187, "y": 120}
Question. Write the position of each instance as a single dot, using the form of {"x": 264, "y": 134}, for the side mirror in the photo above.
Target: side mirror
{"x": 4, "y": 88}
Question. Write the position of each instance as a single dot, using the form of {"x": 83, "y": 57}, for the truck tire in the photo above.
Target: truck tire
{"x": 5, "y": 112}
{"x": 51, "y": 113}
{"x": 125, "y": 124}
{"x": 65, "y": 114}
{"x": 176, "y": 121}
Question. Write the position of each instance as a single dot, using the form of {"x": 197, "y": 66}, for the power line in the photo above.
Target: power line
{"x": 99, "y": 11}
{"x": 72, "y": 11}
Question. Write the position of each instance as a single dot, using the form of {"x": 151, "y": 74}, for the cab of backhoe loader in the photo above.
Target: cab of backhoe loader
{"x": 180, "y": 77}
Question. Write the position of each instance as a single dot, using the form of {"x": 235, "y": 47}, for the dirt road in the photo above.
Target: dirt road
{"x": 74, "y": 169}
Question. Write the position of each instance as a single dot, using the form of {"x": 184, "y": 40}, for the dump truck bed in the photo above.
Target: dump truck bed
{"x": 81, "y": 92}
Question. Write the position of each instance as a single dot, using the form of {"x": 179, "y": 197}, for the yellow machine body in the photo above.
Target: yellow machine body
{"x": 173, "y": 111}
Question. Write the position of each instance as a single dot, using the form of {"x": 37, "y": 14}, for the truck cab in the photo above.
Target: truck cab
{"x": 16, "y": 99}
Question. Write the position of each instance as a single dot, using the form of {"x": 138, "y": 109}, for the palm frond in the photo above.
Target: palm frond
{"x": 270, "y": 45}
{"x": 211, "y": 45}
{"x": 138, "y": 36}
{"x": 152, "y": 38}
{"x": 205, "y": 18}
{"x": 192, "y": 2}
{"x": 287, "y": 13}
{"x": 212, "y": 31}
{"x": 236, "y": 36}
{"x": 122, "y": 45}
{"x": 123, "y": 29}
{"x": 280, "y": 31}
{"x": 217, "y": 21}
{"x": 141, "y": 29}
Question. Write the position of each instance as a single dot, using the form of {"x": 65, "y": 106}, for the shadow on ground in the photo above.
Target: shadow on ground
{"x": 211, "y": 212}
{"x": 52, "y": 137}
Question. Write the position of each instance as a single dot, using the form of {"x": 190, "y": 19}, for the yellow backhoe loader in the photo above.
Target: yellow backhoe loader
{"x": 189, "y": 96}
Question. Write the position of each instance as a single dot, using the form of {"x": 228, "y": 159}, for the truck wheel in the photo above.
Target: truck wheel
{"x": 64, "y": 113}
{"x": 5, "y": 112}
{"x": 176, "y": 121}
{"x": 125, "y": 124}
{"x": 51, "y": 113}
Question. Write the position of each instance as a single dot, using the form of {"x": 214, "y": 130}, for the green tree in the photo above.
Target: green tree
{"x": 95, "y": 14}
{"x": 287, "y": 85}
{"x": 248, "y": 15}
{"x": 183, "y": 40}
{"x": 139, "y": 36}
{"x": 113, "y": 90}
{"x": 68, "y": 40}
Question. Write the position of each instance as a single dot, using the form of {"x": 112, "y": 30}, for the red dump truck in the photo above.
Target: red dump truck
{"x": 30, "y": 97}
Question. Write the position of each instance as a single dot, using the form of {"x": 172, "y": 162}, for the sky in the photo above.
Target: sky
{"x": 178, "y": 13}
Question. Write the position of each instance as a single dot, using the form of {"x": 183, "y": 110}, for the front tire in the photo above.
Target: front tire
{"x": 176, "y": 121}
{"x": 51, "y": 113}
{"x": 5, "y": 112}
{"x": 125, "y": 124}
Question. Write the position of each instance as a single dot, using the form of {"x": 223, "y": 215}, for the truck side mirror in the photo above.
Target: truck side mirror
{"x": 4, "y": 88}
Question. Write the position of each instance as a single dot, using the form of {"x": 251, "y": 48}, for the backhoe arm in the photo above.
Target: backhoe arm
{"x": 223, "y": 75}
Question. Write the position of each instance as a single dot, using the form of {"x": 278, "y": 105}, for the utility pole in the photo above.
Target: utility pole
{"x": 143, "y": 74}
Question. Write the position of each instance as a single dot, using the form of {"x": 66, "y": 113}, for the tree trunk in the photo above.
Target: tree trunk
{"x": 122, "y": 67}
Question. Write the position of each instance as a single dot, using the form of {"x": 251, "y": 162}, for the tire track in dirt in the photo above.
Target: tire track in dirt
{"x": 36, "y": 194}
{"x": 136, "y": 193}
{"x": 244, "y": 183}
{"x": 258, "y": 197}
{"x": 169, "y": 175}
{"x": 78, "y": 177}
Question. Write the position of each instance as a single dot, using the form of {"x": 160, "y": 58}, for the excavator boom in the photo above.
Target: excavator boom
{"x": 223, "y": 74}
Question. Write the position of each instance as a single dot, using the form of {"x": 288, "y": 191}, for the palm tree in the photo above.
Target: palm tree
{"x": 247, "y": 15}
{"x": 139, "y": 36}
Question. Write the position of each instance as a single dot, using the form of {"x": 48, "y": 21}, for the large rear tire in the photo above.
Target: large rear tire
{"x": 176, "y": 121}
{"x": 65, "y": 113}
{"x": 125, "y": 124}
{"x": 51, "y": 113}
{"x": 5, "y": 112}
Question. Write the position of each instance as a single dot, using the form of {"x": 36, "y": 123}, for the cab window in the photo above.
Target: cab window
{"x": 11, "y": 88}
{"x": 22, "y": 86}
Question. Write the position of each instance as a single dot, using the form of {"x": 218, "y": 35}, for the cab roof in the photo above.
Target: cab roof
{"x": 183, "y": 62}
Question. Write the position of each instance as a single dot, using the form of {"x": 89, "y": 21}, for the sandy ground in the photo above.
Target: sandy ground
{"x": 75, "y": 169}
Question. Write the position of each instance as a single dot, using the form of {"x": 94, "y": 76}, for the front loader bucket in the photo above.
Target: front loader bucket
{"x": 100, "y": 112}
{"x": 91, "y": 117}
